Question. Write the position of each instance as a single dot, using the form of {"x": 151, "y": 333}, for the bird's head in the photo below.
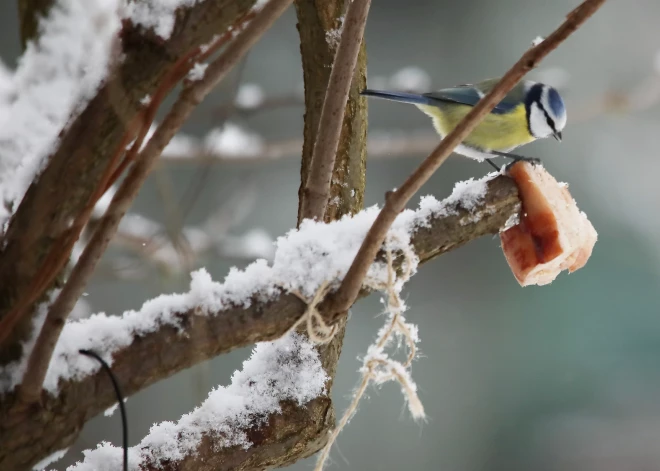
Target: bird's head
{"x": 546, "y": 113}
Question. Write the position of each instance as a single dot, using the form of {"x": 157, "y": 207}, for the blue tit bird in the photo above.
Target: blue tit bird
{"x": 528, "y": 112}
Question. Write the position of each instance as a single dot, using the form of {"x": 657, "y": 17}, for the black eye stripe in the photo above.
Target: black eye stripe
{"x": 533, "y": 97}
{"x": 549, "y": 120}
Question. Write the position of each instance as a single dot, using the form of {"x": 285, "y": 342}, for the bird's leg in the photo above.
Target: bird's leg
{"x": 492, "y": 164}
{"x": 516, "y": 158}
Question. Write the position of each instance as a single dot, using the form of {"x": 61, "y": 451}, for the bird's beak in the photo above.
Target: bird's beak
{"x": 557, "y": 135}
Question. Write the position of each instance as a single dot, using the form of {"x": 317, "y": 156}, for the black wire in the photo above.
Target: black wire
{"x": 120, "y": 399}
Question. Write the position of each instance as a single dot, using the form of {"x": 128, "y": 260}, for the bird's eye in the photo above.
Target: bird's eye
{"x": 550, "y": 122}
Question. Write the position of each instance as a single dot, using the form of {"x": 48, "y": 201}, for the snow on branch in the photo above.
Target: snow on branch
{"x": 160, "y": 15}
{"x": 87, "y": 158}
{"x": 304, "y": 260}
{"x": 174, "y": 332}
{"x": 156, "y": 14}
{"x": 288, "y": 369}
{"x": 55, "y": 78}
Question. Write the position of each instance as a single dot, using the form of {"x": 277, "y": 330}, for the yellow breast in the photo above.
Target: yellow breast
{"x": 501, "y": 132}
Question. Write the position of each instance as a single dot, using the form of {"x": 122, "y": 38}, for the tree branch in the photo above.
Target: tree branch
{"x": 275, "y": 444}
{"x": 29, "y": 14}
{"x": 396, "y": 201}
{"x": 315, "y": 21}
{"x": 106, "y": 228}
{"x": 28, "y": 432}
{"x": 317, "y": 187}
{"x": 88, "y": 145}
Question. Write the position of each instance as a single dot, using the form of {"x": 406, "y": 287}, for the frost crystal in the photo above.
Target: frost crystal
{"x": 537, "y": 40}
{"x": 197, "y": 71}
{"x": 50, "y": 459}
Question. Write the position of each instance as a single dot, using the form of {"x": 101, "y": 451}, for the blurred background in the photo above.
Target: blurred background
{"x": 560, "y": 377}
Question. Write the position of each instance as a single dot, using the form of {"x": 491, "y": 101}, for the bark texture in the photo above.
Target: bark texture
{"x": 318, "y": 21}
{"x": 87, "y": 146}
{"x": 29, "y": 13}
{"x": 27, "y": 434}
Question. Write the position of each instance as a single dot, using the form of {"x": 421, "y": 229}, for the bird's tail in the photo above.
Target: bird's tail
{"x": 399, "y": 96}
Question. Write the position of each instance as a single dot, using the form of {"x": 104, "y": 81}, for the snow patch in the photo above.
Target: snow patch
{"x": 304, "y": 260}
{"x": 50, "y": 459}
{"x": 158, "y": 15}
{"x": 288, "y": 369}
{"x": 54, "y": 79}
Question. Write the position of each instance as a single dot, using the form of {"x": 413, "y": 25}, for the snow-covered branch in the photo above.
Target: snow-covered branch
{"x": 56, "y": 76}
{"x": 396, "y": 201}
{"x": 286, "y": 373}
{"x": 79, "y": 154}
{"x": 174, "y": 332}
{"x": 192, "y": 94}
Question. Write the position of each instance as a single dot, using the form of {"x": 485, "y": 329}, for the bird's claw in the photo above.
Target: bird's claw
{"x": 531, "y": 160}
{"x": 515, "y": 160}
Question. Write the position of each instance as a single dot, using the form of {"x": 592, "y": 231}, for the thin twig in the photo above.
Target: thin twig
{"x": 395, "y": 201}
{"x": 317, "y": 187}
{"x": 190, "y": 97}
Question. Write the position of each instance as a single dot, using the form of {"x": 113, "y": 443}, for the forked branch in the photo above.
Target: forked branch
{"x": 317, "y": 187}
{"x": 190, "y": 97}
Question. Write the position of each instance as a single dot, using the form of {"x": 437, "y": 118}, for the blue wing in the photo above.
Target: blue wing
{"x": 469, "y": 95}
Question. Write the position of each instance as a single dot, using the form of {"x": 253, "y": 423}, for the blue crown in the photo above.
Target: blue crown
{"x": 556, "y": 103}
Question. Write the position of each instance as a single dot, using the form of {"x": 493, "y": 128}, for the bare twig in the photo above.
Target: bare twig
{"x": 317, "y": 187}
{"x": 190, "y": 97}
{"x": 395, "y": 201}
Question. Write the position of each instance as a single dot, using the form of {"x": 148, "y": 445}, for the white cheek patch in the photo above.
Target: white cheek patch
{"x": 560, "y": 121}
{"x": 538, "y": 123}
